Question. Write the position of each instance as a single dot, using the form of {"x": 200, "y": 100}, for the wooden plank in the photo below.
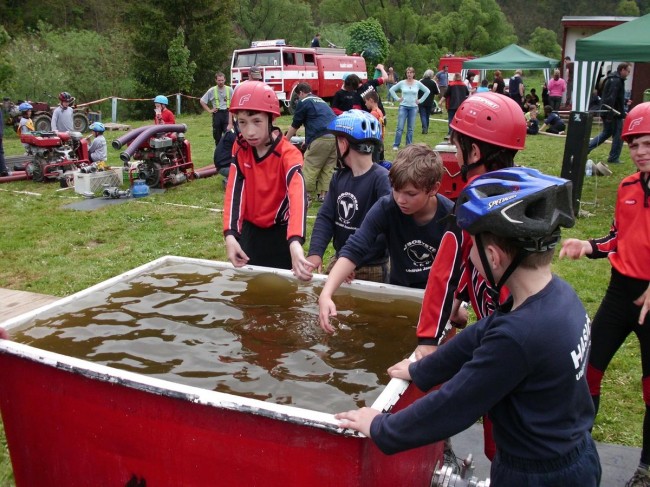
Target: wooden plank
{"x": 14, "y": 303}
{"x": 117, "y": 126}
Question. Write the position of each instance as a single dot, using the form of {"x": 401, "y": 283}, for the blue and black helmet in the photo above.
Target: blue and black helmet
{"x": 519, "y": 203}
{"x": 97, "y": 127}
{"x": 359, "y": 127}
{"x": 24, "y": 106}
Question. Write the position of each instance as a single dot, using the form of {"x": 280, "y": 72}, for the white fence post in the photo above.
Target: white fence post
{"x": 114, "y": 109}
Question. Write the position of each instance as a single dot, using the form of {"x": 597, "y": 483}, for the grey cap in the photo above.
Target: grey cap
{"x": 255, "y": 72}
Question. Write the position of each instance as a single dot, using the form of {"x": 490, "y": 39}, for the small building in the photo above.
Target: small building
{"x": 580, "y": 27}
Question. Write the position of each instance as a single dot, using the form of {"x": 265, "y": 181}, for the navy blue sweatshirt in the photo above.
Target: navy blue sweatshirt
{"x": 411, "y": 247}
{"x": 346, "y": 204}
{"x": 526, "y": 367}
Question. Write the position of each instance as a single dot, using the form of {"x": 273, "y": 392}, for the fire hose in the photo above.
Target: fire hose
{"x": 15, "y": 176}
{"x": 126, "y": 138}
{"x": 145, "y": 134}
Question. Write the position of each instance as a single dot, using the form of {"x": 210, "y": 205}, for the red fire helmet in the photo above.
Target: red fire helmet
{"x": 492, "y": 118}
{"x": 637, "y": 121}
{"x": 255, "y": 96}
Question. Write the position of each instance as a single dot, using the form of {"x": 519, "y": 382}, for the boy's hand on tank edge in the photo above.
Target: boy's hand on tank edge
{"x": 424, "y": 350}
{"x": 236, "y": 255}
{"x": 400, "y": 370}
{"x": 300, "y": 266}
{"x": 317, "y": 262}
{"x": 3, "y": 334}
{"x": 358, "y": 419}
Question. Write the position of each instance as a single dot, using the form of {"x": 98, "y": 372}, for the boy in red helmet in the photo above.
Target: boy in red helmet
{"x": 625, "y": 307}
{"x": 62, "y": 119}
{"x": 265, "y": 208}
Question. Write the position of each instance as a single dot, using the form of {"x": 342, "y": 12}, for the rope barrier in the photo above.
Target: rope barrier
{"x": 107, "y": 98}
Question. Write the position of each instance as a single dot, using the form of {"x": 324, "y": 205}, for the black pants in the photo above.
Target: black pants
{"x": 219, "y": 124}
{"x": 266, "y": 246}
{"x": 615, "y": 319}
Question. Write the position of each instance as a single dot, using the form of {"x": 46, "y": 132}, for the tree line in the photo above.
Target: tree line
{"x": 95, "y": 49}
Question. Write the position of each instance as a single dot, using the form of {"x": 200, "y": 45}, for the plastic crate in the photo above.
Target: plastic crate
{"x": 94, "y": 182}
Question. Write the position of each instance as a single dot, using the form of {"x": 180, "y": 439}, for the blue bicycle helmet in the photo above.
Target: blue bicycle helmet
{"x": 161, "y": 99}
{"x": 23, "y": 107}
{"x": 97, "y": 127}
{"x": 519, "y": 203}
{"x": 359, "y": 127}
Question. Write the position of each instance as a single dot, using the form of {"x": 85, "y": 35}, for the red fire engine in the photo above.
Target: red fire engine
{"x": 283, "y": 67}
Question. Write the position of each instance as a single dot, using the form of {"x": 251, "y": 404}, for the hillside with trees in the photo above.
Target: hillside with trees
{"x": 96, "y": 49}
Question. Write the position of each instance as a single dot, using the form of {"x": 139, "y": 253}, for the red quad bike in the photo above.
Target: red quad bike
{"x": 161, "y": 155}
{"x": 56, "y": 155}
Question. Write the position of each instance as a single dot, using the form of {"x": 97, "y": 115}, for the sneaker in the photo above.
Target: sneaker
{"x": 395, "y": 147}
{"x": 641, "y": 478}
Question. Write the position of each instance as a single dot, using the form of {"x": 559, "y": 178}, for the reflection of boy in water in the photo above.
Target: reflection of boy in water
{"x": 410, "y": 221}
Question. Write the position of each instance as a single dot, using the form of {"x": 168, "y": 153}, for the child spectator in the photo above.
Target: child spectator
{"x": 624, "y": 309}
{"x": 354, "y": 189}
{"x": 533, "y": 97}
{"x": 532, "y": 123}
{"x": 265, "y": 206}
{"x": 410, "y": 220}
{"x": 26, "y": 124}
{"x": 372, "y": 104}
{"x": 62, "y": 117}
{"x": 553, "y": 124}
{"x": 97, "y": 149}
{"x": 504, "y": 364}
{"x": 164, "y": 116}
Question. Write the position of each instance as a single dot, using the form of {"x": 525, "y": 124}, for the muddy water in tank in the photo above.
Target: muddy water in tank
{"x": 253, "y": 335}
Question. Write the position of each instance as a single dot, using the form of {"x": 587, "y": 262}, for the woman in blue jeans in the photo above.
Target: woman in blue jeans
{"x": 408, "y": 105}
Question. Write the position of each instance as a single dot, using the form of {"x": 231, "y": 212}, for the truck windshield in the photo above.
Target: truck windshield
{"x": 259, "y": 58}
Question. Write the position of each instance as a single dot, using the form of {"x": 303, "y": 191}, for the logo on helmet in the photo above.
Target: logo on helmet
{"x": 485, "y": 101}
{"x": 635, "y": 123}
{"x": 499, "y": 201}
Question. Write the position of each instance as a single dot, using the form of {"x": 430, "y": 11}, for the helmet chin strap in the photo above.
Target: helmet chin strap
{"x": 340, "y": 158}
{"x": 494, "y": 288}
{"x": 466, "y": 168}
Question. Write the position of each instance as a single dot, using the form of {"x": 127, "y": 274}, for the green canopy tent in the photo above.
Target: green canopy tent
{"x": 625, "y": 42}
{"x": 511, "y": 57}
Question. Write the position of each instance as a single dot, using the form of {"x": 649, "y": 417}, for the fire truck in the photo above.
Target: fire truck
{"x": 284, "y": 66}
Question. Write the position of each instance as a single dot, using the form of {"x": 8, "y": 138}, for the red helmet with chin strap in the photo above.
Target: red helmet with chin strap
{"x": 492, "y": 118}
{"x": 256, "y": 97}
{"x": 637, "y": 122}
{"x": 65, "y": 96}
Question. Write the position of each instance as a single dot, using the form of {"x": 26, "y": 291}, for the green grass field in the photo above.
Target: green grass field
{"x": 46, "y": 248}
